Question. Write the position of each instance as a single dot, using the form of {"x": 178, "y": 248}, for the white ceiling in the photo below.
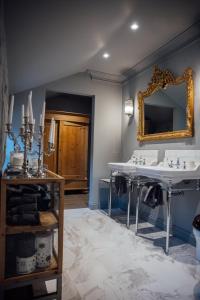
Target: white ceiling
{"x": 51, "y": 39}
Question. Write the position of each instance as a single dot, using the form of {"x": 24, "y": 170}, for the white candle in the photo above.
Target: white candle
{"x": 30, "y": 107}
{"x": 40, "y": 119}
{"x": 51, "y": 131}
{"x": 22, "y": 114}
{"x": 27, "y": 111}
{"x": 6, "y": 117}
{"x": 54, "y": 131}
{"x": 33, "y": 125}
{"x": 11, "y": 110}
{"x": 43, "y": 113}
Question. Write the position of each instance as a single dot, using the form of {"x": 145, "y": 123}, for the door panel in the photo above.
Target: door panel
{"x": 73, "y": 146}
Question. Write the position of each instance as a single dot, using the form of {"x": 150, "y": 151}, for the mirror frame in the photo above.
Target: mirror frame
{"x": 161, "y": 79}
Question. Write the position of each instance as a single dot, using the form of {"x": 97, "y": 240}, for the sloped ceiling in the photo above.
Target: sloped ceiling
{"x": 51, "y": 39}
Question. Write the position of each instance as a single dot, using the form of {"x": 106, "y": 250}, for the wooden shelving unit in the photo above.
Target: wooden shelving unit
{"x": 49, "y": 220}
{"x": 42, "y": 273}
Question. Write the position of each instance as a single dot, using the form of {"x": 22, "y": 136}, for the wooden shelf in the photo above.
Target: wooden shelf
{"x": 48, "y": 220}
{"x": 38, "y": 273}
{"x": 50, "y": 177}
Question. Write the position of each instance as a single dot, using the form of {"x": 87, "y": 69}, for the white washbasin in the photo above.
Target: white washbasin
{"x": 149, "y": 157}
{"x": 126, "y": 168}
{"x": 167, "y": 174}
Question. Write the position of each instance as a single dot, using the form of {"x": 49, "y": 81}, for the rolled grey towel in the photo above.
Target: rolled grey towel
{"x": 31, "y": 218}
{"x": 152, "y": 194}
{"x": 25, "y": 245}
{"x": 29, "y": 198}
{"x": 23, "y": 208}
{"x": 196, "y": 222}
{"x": 120, "y": 185}
{"x": 144, "y": 192}
{"x": 15, "y": 201}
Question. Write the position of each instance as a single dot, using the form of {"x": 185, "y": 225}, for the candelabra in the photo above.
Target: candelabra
{"x": 12, "y": 136}
{"x": 41, "y": 152}
{"x": 26, "y": 133}
{"x": 27, "y": 136}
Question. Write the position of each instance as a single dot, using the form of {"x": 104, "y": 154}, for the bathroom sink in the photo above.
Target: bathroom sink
{"x": 122, "y": 167}
{"x": 139, "y": 157}
{"x": 188, "y": 167}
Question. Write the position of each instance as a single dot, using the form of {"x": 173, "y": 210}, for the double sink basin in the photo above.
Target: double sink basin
{"x": 177, "y": 165}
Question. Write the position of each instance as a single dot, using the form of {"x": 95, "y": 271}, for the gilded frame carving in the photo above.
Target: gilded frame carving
{"x": 160, "y": 80}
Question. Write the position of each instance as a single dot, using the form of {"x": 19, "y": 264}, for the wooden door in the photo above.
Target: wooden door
{"x": 52, "y": 160}
{"x": 73, "y": 154}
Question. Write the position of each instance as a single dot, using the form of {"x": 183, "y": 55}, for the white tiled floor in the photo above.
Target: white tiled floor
{"x": 104, "y": 260}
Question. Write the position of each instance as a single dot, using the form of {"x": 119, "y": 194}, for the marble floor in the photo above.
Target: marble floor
{"x": 105, "y": 261}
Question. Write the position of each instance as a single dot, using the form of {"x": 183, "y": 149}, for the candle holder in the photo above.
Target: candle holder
{"x": 41, "y": 152}
{"x": 26, "y": 133}
{"x": 27, "y": 137}
{"x": 40, "y": 171}
{"x": 12, "y": 136}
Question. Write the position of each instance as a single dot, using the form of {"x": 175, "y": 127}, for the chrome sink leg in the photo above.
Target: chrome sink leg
{"x": 137, "y": 207}
{"x": 110, "y": 196}
{"x": 169, "y": 197}
{"x": 129, "y": 202}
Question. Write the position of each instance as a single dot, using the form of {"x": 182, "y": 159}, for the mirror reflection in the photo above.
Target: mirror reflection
{"x": 165, "y": 110}
{"x": 166, "y": 106}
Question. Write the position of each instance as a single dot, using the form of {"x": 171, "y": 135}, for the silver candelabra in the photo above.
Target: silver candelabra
{"x": 41, "y": 152}
{"x": 27, "y": 137}
{"x": 12, "y": 136}
{"x": 26, "y": 134}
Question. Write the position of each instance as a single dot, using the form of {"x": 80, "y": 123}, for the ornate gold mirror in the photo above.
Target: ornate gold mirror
{"x": 166, "y": 107}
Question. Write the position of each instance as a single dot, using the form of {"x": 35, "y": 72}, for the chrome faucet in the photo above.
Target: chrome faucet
{"x": 140, "y": 160}
{"x": 144, "y": 161}
{"x": 135, "y": 161}
{"x": 178, "y": 163}
{"x": 171, "y": 164}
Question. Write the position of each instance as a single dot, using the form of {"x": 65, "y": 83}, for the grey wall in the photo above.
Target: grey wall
{"x": 184, "y": 209}
{"x": 106, "y": 120}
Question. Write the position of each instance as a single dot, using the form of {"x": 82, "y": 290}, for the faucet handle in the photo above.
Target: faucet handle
{"x": 178, "y": 163}
{"x": 184, "y": 164}
{"x": 171, "y": 164}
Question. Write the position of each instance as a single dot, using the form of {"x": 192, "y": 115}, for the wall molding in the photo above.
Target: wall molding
{"x": 113, "y": 78}
{"x": 180, "y": 41}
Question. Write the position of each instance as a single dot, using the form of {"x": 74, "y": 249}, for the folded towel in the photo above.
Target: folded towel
{"x": 196, "y": 222}
{"x": 15, "y": 201}
{"x": 25, "y": 245}
{"x": 31, "y": 218}
{"x": 31, "y": 197}
{"x": 152, "y": 194}
{"x": 20, "y": 209}
{"x": 120, "y": 185}
{"x": 44, "y": 203}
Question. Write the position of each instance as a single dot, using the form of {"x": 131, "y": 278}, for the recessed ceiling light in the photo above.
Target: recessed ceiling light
{"x": 106, "y": 55}
{"x": 134, "y": 26}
